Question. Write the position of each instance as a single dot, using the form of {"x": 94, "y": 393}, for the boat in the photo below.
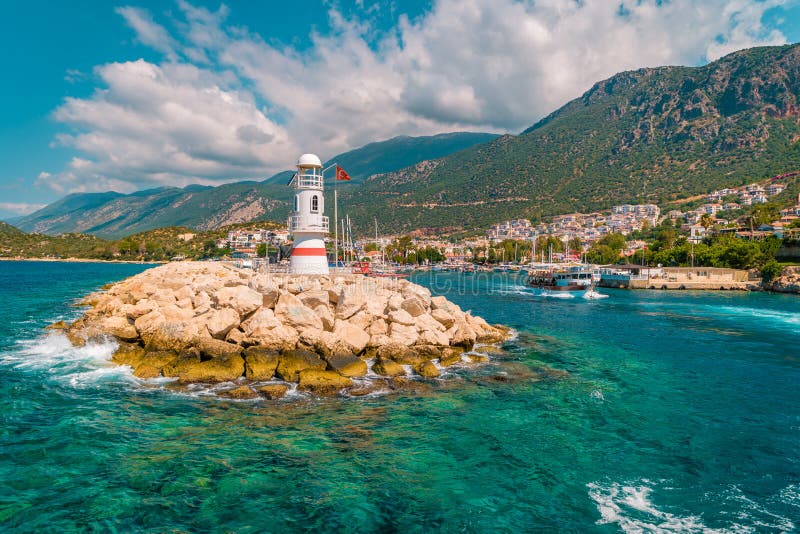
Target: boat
{"x": 365, "y": 268}
{"x": 563, "y": 278}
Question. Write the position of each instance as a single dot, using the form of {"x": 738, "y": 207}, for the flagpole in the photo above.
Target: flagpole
{"x": 335, "y": 228}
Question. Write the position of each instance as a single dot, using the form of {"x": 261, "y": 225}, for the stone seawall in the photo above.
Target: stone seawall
{"x": 210, "y": 322}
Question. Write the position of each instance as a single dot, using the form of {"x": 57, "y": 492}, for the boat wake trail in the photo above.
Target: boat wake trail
{"x": 592, "y": 295}
{"x": 536, "y": 293}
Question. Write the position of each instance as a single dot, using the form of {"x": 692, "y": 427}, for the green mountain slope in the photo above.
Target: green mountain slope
{"x": 648, "y": 135}
{"x": 404, "y": 151}
{"x": 112, "y": 215}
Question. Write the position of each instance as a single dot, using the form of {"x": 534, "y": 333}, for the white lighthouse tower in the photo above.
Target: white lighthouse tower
{"x": 307, "y": 222}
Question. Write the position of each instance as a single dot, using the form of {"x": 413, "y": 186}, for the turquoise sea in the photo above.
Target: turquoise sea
{"x": 640, "y": 412}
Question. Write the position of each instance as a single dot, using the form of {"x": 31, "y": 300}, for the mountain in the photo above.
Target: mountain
{"x": 404, "y": 151}
{"x": 650, "y": 135}
{"x": 6, "y": 230}
{"x": 112, "y": 215}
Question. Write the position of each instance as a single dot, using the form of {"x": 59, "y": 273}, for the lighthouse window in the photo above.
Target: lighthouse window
{"x": 297, "y": 203}
{"x": 314, "y": 204}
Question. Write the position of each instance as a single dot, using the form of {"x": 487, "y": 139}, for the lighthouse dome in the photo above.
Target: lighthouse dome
{"x": 308, "y": 160}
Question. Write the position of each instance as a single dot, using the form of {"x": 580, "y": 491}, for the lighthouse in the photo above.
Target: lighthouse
{"x": 307, "y": 222}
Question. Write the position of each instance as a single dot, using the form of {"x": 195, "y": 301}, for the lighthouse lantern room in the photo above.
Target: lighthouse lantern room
{"x": 307, "y": 222}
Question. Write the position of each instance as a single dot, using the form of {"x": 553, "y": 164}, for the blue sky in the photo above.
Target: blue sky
{"x": 101, "y": 96}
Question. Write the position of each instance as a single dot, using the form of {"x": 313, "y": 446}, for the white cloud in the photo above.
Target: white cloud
{"x": 20, "y": 208}
{"x": 226, "y": 104}
{"x": 172, "y": 124}
{"x": 148, "y": 32}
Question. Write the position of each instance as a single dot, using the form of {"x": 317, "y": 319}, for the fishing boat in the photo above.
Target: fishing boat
{"x": 564, "y": 278}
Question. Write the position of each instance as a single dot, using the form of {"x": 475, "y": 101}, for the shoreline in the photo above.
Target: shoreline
{"x": 82, "y": 260}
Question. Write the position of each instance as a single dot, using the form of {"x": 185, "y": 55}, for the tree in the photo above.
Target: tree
{"x": 765, "y": 213}
{"x": 706, "y": 221}
{"x": 602, "y": 254}
{"x": 771, "y": 270}
{"x": 261, "y": 250}
{"x": 614, "y": 241}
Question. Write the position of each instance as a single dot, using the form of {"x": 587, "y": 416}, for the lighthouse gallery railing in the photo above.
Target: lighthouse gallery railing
{"x": 320, "y": 223}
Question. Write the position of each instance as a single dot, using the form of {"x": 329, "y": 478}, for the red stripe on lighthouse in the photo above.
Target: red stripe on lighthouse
{"x": 308, "y": 252}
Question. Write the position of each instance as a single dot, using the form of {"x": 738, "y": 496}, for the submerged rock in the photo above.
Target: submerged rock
{"x": 242, "y": 392}
{"x": 273, "y": 391}
{"x": 322, "y": 382}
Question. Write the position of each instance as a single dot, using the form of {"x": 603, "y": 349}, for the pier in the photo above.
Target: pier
{"x": 676, "y": 278}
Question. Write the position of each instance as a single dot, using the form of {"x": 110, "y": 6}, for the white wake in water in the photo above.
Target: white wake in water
{"x": 630, "y": 507}
{"x": 79, "y": 367}
{"x": 787, "y": 318}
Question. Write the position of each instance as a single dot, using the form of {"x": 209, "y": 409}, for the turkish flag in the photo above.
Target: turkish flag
{"x": 341, "y": 174}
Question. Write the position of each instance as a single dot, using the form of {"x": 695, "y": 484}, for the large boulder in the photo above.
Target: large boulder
{"x": 403, "y": 334}
{"x": 128, "y": 354}
{"x": 269, "y": 290}
{"x": 378, "y": 327}
{"x": 350, "y": 301}
{"x": 422, "y": 293}
{"x": 260, "y": 363}
{"x": 462, "y": 335}
{"x": 273, "y": 391}
{"x": 427, "y": 370}
{"x": 291, "y": 311}
{"x": 220, "y": 322}
{"x": 120, "y": 327}
{"x": 451, "y": 356}
{"x": 399, "y": 353}
{"x": 325, "y": 315}
{"x": 293, "y": 361}
{"x": 401, "y": 317}
{"x": 351, "y": 336}
{"x": 347, "y": 364}
{"x": 395, "y": 302}
{"x": 260, "y": 323}
{"x": 314, "y": 297}
{"x": 279, "y": 338}
{"x": 214, "y": 370}
{"x": 322, "y": 382}
{"x": 433, "y": 337}
{"x": 215, "y": 348}
{"x": 241, "y": 298}
{"x": 388, "y": 368}
{"x": 160, "y": 333}
{"x": 442, "y": 316}
{"x": 414, "y": 306}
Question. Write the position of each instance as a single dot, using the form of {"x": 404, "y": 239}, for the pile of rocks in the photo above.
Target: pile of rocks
{"x": 787, "y": 282}
{"x": 210, "y": 322}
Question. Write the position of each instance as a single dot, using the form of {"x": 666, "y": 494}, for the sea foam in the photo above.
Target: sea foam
{"x": 78, "y": 367}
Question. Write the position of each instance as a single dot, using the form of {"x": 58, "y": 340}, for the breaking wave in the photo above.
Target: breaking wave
{"x": 631, "y": 508}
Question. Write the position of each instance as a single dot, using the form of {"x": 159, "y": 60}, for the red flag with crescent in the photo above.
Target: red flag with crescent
{"x": 341, "y": 174}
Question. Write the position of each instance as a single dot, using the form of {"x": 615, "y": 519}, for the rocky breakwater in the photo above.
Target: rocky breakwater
{"x": 210, "y": 322}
